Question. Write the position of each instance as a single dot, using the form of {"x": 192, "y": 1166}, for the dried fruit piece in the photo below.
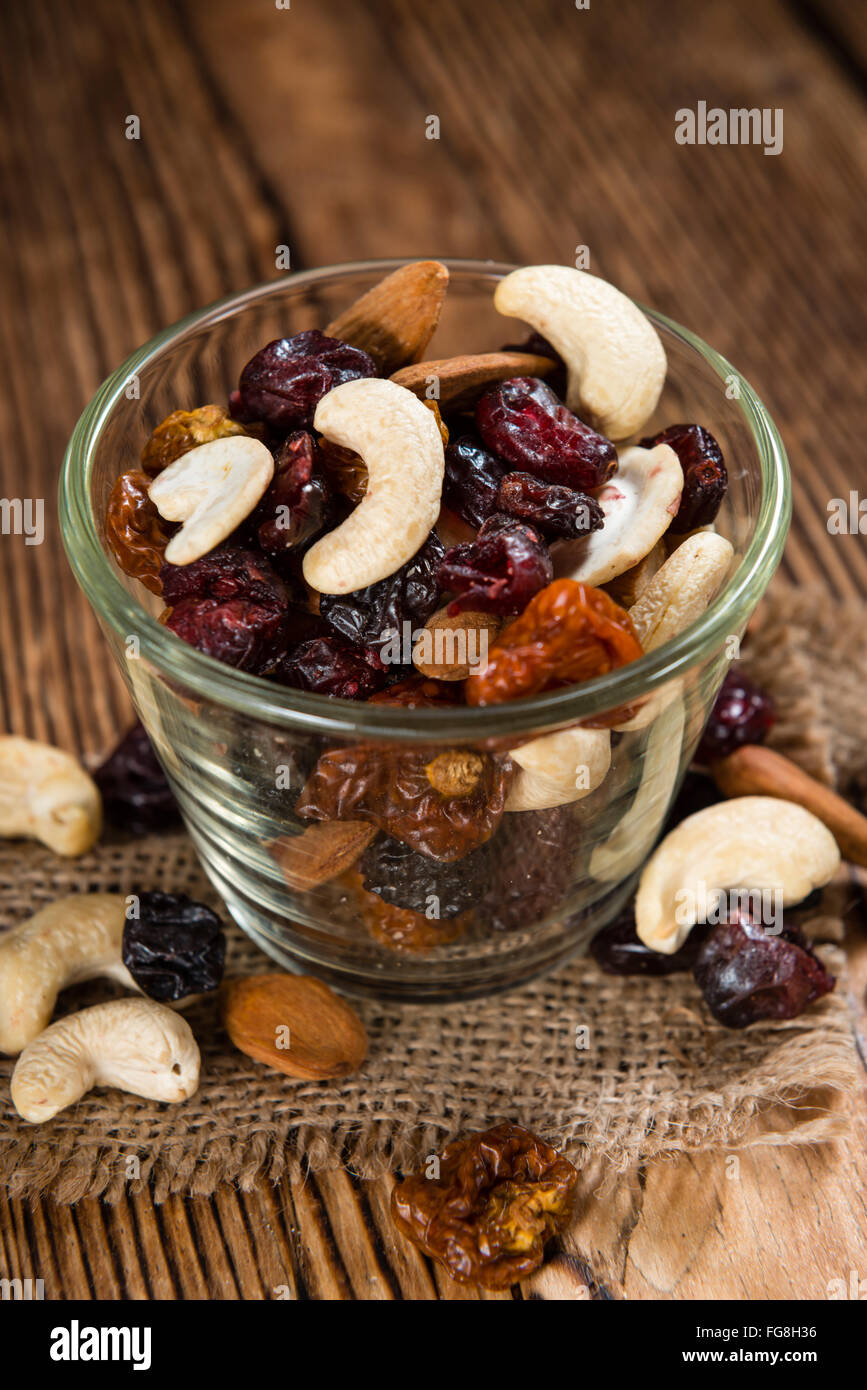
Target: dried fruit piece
{"x": 567, "y": 633}
{"x": 500, "y": 1196}
{"x": 284, "y": 382}
{"x": 472, "y": 479}
{"x": 184, "y": 430}
{"x": 618, "y": 950}
{"x": 395, "y": 321}
{"x": 135, "y": 531}
{"x": 136, "y": 796}
{"x": 705, "y": 479}
{"x": 409, "y": 880}
{"x": 174, "y": 947}
{"x": 345, "y": 470}
{"x": 529, "y": 871}
{"x": 553, "y": 510}
{"x": 461, "y": 379}
{"x": 375, "y": 616}
{"x": 321, "y": 853}
{"x": 524, "y": 424}
{"x": 230, "y": 605}
{"x": 332, "y": 666}
{"x": 295, "y": 1024}
{"x": 418, "y": 692}
{"x": 747, "y": 974}
{"x": 295, "y": 506}
{"x": 498, "y": 572}
{"x": 450, "y": 646}
{"x": 742, "y": 713}
{"x": 401, "y": 929}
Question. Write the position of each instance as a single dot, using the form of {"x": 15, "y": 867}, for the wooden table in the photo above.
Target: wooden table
{"x": 306, "y": 127}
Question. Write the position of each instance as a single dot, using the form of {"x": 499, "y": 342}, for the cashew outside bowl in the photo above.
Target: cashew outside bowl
{"x": 639, "y": 503}
{"x": 400, "y": 443}
{"x": 135, "y": 1044}
{"x": 46, "y": 795}
{"x": 555, "y": 768}
{"x": 751, "y": 843}
{"x": 211, "y": 489}
{"x": 614, "y": 356}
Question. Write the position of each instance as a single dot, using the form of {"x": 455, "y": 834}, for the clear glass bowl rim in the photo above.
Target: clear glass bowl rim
{"x": 257, "y": 698}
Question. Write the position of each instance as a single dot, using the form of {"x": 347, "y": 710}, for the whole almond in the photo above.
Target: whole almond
{"x": 321, "y": 853}
{"x": 295, "y": 1024}
{"x": 460, "y": 379}
{"x": 395, "y": 321}
{"x": 451, "y": 641}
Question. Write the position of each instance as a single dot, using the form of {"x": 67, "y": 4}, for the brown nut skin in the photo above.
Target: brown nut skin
{"x": 500, "y": 1196}
{"x": 326, "y": 1037}
{"x": 465, "y": 634}
{"x": 321, "y": 853}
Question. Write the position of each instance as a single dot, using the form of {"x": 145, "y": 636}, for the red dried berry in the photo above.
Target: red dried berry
{"x": 332, "y": 666}
{"x": 136, "y": 796}
{"x": 223, "y": 574}
{"x": 498, "y": 572}
{"x": 472, "y": 477}
{"x": 295, "y": 506}
{"x": 742, "y": 713}
{"x": 552, "y": 509}
{"x": 705, "y": 480}
{"x": 285, "y": 381}
{"x": 618, "y": 950}
{"x": 230, "y": 605}
{"x": 525, "y": 424}
{"x": 747, "y": 974}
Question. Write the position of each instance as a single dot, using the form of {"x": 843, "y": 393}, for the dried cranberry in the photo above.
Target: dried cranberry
{"x": 332, "y": 666}
{"x": 230, "y": 605}
{"x": 285, "y": 381}
{"x": 498, "y": 572}
{"x": 529, "y": 869}
{"x": 618, "y": 950}
{"x": 471, "y": 480}
{"x": 136, "y": 796}
{"x": 525, "y": 424}
{"x": 403, "y": 877}
{"x": 705, "y": 479}
{"x": 224, "y": 574}
{"x": 369, "y": 617}
{"x": 552, "y": 509}
{"x": 295, "y": 506}
{"x": 747, "y": 974}
{"x": 174, "y": 947}
{"x": 742, "y": 713}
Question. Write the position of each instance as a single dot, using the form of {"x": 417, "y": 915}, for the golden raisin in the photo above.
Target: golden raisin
{"x": 184, "y": 430}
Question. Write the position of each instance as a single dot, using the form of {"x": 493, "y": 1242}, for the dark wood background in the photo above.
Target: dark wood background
{"x": 305, "y": 127}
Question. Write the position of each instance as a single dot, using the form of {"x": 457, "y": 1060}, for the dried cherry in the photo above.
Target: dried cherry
{"x": 524, "y": 423}
{"x": 472, "y": 477}
{"x": 376, "y": 615}
{"x": 747, "y": 974}
{"x": 498, "y": 572}
{"x": 567, "y": 633}
{"x": 184, "y": 430}
{"x": 332, "y": 666}
{"x": 174, "y": 947}
{"x": 742, "y": 713}
{"x": 231, "y": 605}
{"x": 135, "y": 531}
{"x": 285, "y": 381}
{"x": 500, "y": 1196}
{"x": 555, "y": 511}
{"x": 529, "y": 868}
{"x": 705, "y": 480}
{"x": 136, "y": 796}
{"x": 296, "y": 505}
{"x": 618, "y": 950}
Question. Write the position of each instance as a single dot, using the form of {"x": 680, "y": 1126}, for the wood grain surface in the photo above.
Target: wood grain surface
{"x": 306, "y": 127}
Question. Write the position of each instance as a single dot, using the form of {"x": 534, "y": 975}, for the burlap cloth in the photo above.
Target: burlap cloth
{"x": 659, "y": 1076}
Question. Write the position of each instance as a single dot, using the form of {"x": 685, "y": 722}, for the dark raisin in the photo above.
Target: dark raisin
{"x": 498, "y": 572}
{"x": 285, "y": 381}
{"x": 618, "y": 950}
{"x": 136, "y": 796}
{"x": 555, "y": 511}
{"x": 404, "y": 878}
{"x": 369, "y": 617}
{"x": 742, "y": 713}
{"x": 525, "y": 424}
{"x": 705, "y": 479}
{"x": 231, "y": 605}
{"x": 472, "y": 477}
{"x": 530, "y": 862}
{"x": 330, "y": 665}
{"x": 296, "y": 505}
{"x": 174, "y": 947}
{"x": 746, "y": 973}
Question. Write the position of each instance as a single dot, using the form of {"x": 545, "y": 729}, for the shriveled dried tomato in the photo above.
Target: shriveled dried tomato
{"x": 405, "y": 792}
{"x": 401, "y": 929}
{"x": 569, "y": 632}
{"x": 500, "y": 1196}
{"x": 135, "y": 531}
{"x": 418, "y": 692}
{"x": 184, "y": 430}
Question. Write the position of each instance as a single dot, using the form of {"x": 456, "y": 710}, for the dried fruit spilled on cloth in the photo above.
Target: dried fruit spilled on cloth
{"x": 618, "y": 950}
{"x": 525, "y": 425}
{"x": 174, "y": 947}
{"x": 529, "y": 868}
{"x": 748, "y": 972}
{"x": 184, "y": 430}
{"x": 231, "y": 605}
{"x": 500, "y": 1197}
{"x": 498, "y": 572}
{"x": 285, "y": 381}
{"x": 375, "y": 616}
{"x": 705, "y": 479}
{"x": 136, "y": 796}
{"x": 135, "y": 531}
{"x": 742, "y": 713}
{"x": 555, "y": 511}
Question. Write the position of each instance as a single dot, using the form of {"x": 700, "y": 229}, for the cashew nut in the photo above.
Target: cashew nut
{"x": 211, "y": 489}
{"x": 628, "y": 587}
{"x": 614, "y": 355}
{"x": 638, "y": 503}
{"x": 400, "y": 442}
{"x": 559, "y": 768}
{"x": 633, "y": 837}
{"x": 73, "y": 939}
{"x": 682, "y": 589}
{"x": 751, "y": 843}
{"x": 46, "y": 795}
{"x": 135, "y": 1044}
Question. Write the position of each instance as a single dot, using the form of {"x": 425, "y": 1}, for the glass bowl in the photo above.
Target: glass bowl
{"x": 237, "y": 749}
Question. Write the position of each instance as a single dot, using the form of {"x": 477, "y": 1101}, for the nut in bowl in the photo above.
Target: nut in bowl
{"x": 275, "y": 668}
